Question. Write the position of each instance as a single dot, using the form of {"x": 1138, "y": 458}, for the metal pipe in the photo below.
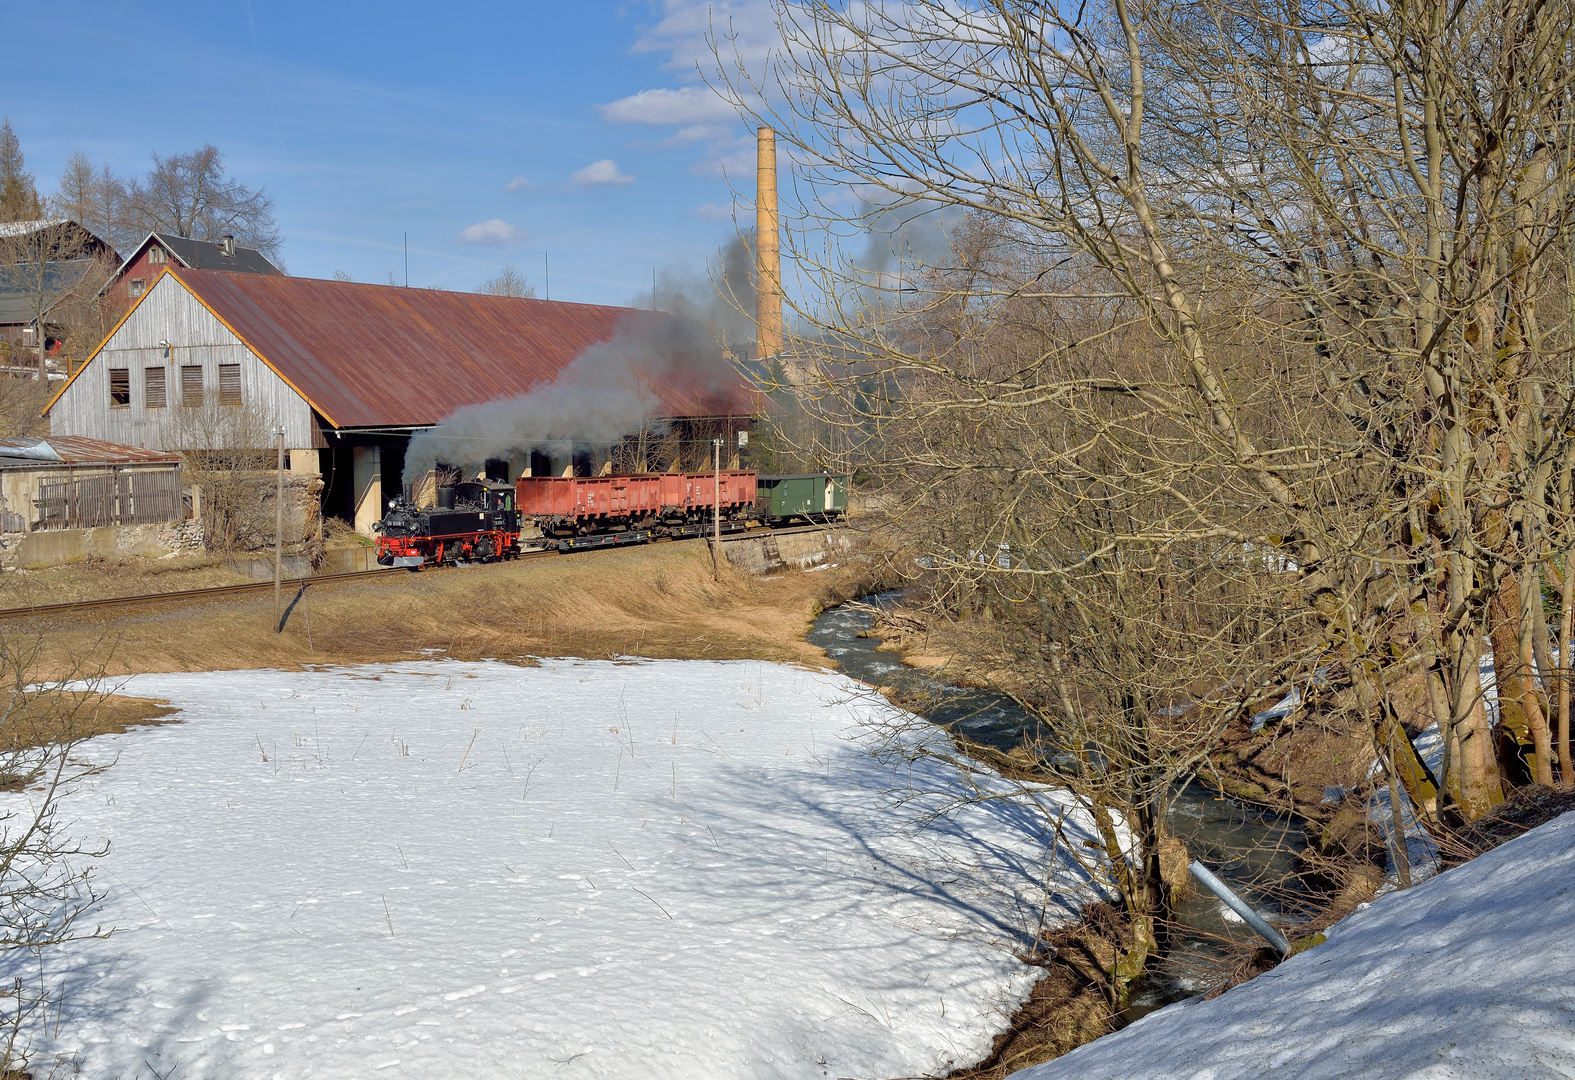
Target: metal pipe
{"x": 1241, "y": 907}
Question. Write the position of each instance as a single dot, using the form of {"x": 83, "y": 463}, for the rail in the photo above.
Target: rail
{"x": 217, "y": 591}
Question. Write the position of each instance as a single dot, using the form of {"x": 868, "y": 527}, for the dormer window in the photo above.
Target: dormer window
{"x": 155, "y": 255}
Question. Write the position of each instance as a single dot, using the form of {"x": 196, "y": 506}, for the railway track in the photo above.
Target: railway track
{"x": 326, "y": 579}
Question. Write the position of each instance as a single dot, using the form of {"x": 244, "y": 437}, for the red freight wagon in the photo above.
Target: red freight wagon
{"x": 576, "y": 505}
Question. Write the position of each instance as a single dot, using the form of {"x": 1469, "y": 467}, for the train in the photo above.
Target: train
{"x": 485, "y": 521}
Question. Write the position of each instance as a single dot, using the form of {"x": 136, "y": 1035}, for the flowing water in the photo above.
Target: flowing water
{"x": 1247, "y": 848}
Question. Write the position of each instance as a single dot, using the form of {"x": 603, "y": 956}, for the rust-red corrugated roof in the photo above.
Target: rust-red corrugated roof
{"x": 369, "y": 356}
{"x": 77, "y": 450}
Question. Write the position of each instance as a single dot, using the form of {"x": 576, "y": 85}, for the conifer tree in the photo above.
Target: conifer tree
{"x": 18, "y": 193}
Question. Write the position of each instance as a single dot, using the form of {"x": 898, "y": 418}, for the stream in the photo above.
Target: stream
{"x": 1246, "y": 847}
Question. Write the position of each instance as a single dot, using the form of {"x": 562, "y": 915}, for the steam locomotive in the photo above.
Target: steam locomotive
{"x": 476, "y": 522}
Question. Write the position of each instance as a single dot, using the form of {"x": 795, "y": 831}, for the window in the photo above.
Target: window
{"x": 137, "y": 287}
{"x": 155, "y": 255}
{"x": 191, "y": 386}
{"x": 154, "y": 395}
{"x": 119, "y": 388}
{"x": 229, "y": 384}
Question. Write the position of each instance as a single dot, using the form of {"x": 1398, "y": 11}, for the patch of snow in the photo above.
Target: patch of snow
{"x": 1470, "y": 974}
{"x": 446, "y": 869}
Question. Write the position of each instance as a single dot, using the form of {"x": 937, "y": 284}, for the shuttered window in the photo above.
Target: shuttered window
{"x": 191, "y": 386}
{"x": 119, "y": 388}
{"x": 154, "y": 391}
{"x": 229, "y": 384}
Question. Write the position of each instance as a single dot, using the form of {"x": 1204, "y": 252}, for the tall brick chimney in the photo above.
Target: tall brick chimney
{"x": 768, "y": 255}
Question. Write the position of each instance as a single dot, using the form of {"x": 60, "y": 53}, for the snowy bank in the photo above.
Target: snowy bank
{"x": 666, "y": 869}
{"x": 1470, "y": 974}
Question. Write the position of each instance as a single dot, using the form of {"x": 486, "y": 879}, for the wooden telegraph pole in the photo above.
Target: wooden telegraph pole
{"x": 716, "y": 515}
{"x": 278, "y": 527}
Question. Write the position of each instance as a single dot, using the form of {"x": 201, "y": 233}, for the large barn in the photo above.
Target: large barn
{"x": 207, "y": 360}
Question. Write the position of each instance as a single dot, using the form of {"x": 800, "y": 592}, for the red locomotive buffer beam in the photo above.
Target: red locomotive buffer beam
{"x": 662, "y": 502}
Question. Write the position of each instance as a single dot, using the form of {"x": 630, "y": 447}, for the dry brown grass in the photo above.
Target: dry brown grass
{"x": 657, "y": 601}
{"x": 1068, "y": 1006}
{"x": 64, "y": 717}
{"x": 100, "y": 578}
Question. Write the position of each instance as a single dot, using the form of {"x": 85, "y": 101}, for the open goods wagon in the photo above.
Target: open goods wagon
{"x": 812, "y": 496}
{"x": 664, "y": 502}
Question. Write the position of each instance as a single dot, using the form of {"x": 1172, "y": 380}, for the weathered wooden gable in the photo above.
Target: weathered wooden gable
{"x": 170, "y": 313}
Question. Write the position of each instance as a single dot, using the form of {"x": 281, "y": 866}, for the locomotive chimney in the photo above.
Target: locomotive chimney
{"x": 768, "y": 257}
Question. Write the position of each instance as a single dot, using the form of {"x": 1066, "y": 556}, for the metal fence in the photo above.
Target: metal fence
{"x": 116, "y": 497}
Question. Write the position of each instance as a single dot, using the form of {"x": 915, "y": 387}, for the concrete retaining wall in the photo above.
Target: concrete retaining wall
{"x": 347, "y": 560}
{"x": 58, "y": 547}
{"x": 798, "y": 551}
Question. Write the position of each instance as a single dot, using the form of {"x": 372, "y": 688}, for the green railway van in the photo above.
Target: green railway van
{"x": 813, "y": 496}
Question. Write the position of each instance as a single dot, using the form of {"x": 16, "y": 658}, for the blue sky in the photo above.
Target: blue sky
{"x": 492, "y": 132}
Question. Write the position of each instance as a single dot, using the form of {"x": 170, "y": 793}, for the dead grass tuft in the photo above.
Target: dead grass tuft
{"x": 48, "y": 719}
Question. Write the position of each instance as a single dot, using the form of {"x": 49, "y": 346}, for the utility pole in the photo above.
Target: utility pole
{"x": 716, "y": 514}
{"x": 278, "y": 526}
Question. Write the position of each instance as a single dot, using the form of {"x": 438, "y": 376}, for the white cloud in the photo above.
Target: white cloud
{"x": 699, "y": 133}
{"x": 519, "y": 183}
{"x": 686, "y": 105}
{"x": 605, "y": 171}
{"x": 713, "y": 212}
{"x": 494, "y": 233}
{"x": 746, "y": 29}
{"x": 734, "y": 158}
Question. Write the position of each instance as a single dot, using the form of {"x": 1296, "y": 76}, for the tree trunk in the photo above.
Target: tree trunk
{"x": 1480, "y": 788}
{"x": 1515, "y": 745}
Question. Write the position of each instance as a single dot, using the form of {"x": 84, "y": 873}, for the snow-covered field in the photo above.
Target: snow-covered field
{"x": 437, "y": 869}
{"x": 1470, "y": 974}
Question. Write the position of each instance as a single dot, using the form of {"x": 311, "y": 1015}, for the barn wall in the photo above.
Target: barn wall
{"x": 170, "y": 313}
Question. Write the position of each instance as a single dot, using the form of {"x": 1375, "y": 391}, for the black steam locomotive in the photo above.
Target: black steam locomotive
{"x": 473, "y": 521}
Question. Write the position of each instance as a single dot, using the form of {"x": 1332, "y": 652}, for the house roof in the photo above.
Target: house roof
{"x": 371, "y": 356}
{"x": 18, "y": 281}
{"x": 16, "y": 288}
{"x": 24, "y": 228}
{"x": 76, "y": 450}
{"x": 201, "y": 255}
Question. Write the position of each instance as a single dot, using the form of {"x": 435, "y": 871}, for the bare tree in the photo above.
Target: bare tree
{"x": 50, "y": 265}
{"x": 97, "y": 199}
{"x": 46, "y": 875}
{"x": 192, "y": 195}
{"x": 1323, "y": 259}
{"x": 508, "y": 282}
{"x": 228, "y": 457}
